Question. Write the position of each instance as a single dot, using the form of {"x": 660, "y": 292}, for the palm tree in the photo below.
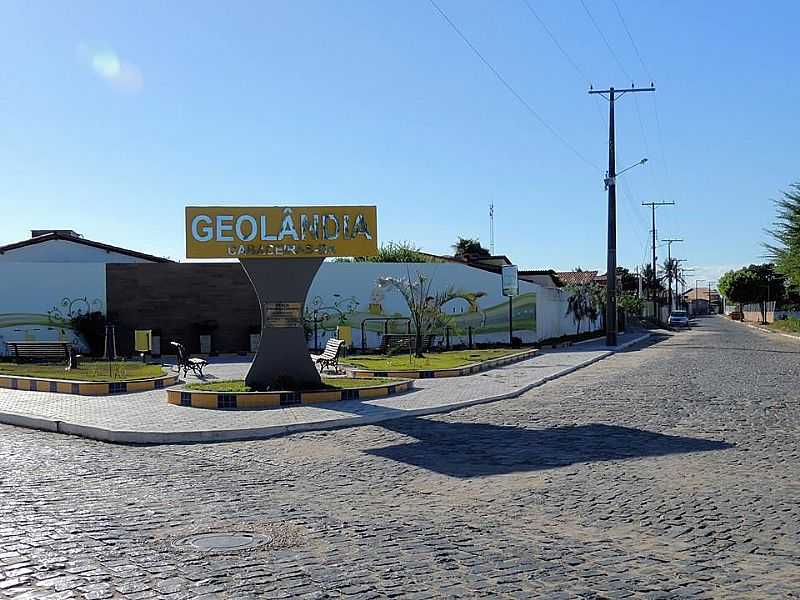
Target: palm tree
{"x": 785, "y": 252}
{"x": 424, "y": 303}
{"x": 672, "y": 272}
{"x": 580, "y": 305}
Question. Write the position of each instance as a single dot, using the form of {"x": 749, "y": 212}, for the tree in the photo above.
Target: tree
{"x": 392, "y": 252}
{"x": 598, "y": 295}
{"x": 580, "y": 304}
{"x": 651, "y": 282}
{"x": 786, "y": 231}
{"x": 753, "y": 284}
{"x": 398, "y": 252}
{"x": 424, "y": 305}
{"x": 628, "y": 281}
{"x": 468, "y": 248}
{"x": 92, "y": 328}
{"x": 630, "y": 304}
{"x": 672, "y": 272}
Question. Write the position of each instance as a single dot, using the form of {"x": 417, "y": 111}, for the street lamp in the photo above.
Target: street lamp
{"x": 609, "y": 180}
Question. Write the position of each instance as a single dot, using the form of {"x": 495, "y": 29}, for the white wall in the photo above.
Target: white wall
{"x": 38, "y": 299}
{"x": 64, "y": 251}
{"x": 357, "y": 282}
{"x": 552, "y": 318}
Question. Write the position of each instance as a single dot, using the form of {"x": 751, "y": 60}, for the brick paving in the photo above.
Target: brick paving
{"x": 668, "y": 471}
{"x": 146, "y": 416}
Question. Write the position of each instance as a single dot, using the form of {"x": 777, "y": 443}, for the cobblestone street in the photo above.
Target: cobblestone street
{"x": 671, "y": 470}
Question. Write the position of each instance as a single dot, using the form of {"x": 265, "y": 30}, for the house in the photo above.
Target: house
{"x": 68, "y": 246}
{"x": 577, "y": 277}
{"x": 702, "y": 300}
{"x": 547, "y": 278}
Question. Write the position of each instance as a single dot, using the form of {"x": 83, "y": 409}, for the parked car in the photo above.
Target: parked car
{"x": 678, "y": 318}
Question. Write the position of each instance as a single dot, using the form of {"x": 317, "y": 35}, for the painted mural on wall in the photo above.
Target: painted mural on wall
{"x": 47, "y": 299}
{"x": 360, "y": 296}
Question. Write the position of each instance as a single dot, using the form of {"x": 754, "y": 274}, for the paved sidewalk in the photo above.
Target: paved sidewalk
{"x": 147, "y": 418}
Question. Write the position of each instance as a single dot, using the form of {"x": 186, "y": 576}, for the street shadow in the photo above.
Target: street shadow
{"x": 467, "y": 450}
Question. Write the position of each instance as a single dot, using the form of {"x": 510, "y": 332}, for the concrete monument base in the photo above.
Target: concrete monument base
{"x": 282, "y": 361}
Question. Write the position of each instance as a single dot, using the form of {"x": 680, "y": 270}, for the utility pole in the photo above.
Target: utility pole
{"x": 654, "y": 281}
{"x": 638, "y": 282}
{"x": 709, "y": 295}
{"x": 682, "y": 273}
{"x": 491, "y": 228}
{"x": 669, "y": 262}
{"x": 612, "y": 95}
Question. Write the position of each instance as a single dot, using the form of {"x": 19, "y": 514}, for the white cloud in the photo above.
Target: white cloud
{"x": 708, "y": 273}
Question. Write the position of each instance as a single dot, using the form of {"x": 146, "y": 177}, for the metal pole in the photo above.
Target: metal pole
{"x": 316, "y": 339}
{"x": 510, "y": 320}
{"x": 363, "y": 337}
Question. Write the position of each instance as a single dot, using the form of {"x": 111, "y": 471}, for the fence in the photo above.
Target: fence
{"x": 753, "y": 312}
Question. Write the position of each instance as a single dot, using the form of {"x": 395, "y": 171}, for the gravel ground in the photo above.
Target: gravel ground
{"x": 667, "y": 471}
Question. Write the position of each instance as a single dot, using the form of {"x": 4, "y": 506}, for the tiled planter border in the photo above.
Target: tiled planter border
{"x": 256, "y": 400}
{"x": 86, "y": 388}
{"x": 454, "y": 372}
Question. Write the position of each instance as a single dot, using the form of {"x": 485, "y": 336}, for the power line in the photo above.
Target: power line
{"x": 602, "y": 35}
{"x": 511, "y": 89}
{"x": 570, "y": 60}
{"x": 630, "y": 37}
{"x": 555, "y": 41}
{"x": 653, "y": 206}
{"x": 621, "y": 66}
{"x": 647, "y": 72}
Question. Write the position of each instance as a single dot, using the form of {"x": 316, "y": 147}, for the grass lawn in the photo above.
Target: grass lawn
{"x": 237, "y": 385}
{"x": 791, "y": 325}
{"x": 87, "y": 371}
{"x": 432, "y": 360}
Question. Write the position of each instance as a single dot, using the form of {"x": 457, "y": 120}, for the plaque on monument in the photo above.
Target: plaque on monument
{"x": 283, "y": 314}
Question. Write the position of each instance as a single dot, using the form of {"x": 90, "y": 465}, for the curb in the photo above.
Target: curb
{"x": 757, "y": 328}
{"x": 230, "y": 435}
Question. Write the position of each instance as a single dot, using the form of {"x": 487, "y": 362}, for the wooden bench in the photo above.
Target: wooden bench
{"x": 394, "y": 342}
{"x": 42, "y": 351}
{"x": 330, "y": 355}
{"x": 187, "y": 363}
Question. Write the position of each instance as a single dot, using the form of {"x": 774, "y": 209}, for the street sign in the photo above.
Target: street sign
{"x": 280, "y": 231}
{"x": 510, "y": 281}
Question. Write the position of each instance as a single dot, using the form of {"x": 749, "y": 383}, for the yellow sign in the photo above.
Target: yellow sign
{"x": 345, "y": 333}
{"x": 280, "y": 232}
{"x": 143, "y": 340}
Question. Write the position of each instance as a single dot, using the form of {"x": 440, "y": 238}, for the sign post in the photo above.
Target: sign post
{"x": 510, "y": 281}
{"x": 281, "y": 249}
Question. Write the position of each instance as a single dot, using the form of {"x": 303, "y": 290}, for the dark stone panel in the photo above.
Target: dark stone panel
{"x": 181, "y": 301}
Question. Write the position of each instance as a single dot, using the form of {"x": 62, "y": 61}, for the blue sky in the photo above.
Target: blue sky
{"x": 114, "y": 116}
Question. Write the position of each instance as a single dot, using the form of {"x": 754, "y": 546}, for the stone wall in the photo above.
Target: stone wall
{"x": 179, "y": 300}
